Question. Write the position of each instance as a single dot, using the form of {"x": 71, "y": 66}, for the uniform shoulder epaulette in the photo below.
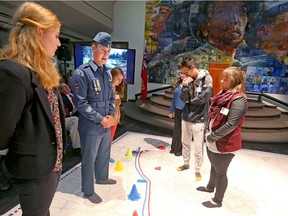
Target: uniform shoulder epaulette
{"x": 83, "y": 66}
{"x": 80, "y": 70}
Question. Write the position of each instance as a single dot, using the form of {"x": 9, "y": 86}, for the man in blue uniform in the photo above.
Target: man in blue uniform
{"x": 94, "y": 99}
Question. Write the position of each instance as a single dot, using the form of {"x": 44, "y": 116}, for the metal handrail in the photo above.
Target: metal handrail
{"x": 153, "y": 91}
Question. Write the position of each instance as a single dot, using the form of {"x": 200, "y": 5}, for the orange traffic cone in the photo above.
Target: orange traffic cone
{"x": 135, "y": 213}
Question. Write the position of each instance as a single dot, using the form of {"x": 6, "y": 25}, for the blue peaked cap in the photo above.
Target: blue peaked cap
{"x": 104, "y": 39}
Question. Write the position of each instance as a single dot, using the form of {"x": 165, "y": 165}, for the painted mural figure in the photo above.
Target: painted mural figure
{"x": 225, "y": 31}
{"x": 226, "y": 34}
{"x": 271, "y": 36}
{"x": 161, "y": 13}
{"x": 272, "y": 33}
{"x": 157, "y": 22}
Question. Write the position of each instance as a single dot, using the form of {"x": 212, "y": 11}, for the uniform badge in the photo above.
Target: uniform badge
{"x": 76, "y": 85}
{"x": 88, "y": 109}
{"x": 96, "y": 84}
{"x": 79, "y": 72}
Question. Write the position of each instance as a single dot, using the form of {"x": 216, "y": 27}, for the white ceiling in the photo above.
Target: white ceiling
{"x": 81, "y": 20}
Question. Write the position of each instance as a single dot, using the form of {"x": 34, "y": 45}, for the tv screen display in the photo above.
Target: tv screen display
{"x": 123, "y": 58}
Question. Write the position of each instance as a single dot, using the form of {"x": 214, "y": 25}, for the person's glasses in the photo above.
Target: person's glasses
{"x": 185, "y": 72}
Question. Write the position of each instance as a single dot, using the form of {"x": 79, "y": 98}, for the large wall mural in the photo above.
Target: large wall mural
{"x": 251, "y": 34}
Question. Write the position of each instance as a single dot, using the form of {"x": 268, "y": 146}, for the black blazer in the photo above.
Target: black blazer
{"x": 26, "y": 123}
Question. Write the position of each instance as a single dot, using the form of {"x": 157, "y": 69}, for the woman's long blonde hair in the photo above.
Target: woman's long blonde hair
{"x": 237, "y": 76}
{"x": 25, "y": 47}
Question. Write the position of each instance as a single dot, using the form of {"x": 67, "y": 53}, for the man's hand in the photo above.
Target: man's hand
{"x": 107, "y": 121}
{"x": 187, "y": 80}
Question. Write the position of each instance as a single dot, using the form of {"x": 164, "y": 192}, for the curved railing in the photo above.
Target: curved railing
{"x": 153, "y": 91}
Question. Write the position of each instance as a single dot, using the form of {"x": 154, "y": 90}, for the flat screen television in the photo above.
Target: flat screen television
{"x": 123, "y": 58}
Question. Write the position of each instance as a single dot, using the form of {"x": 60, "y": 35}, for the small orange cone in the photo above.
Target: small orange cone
{"x": 135, "y": 213}
{"x": 119, "y": 167}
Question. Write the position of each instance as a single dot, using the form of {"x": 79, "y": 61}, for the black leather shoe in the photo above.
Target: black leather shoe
{"x": 178, "y": 154}
{"x": 211, "y": 204}
{"x": 94, "y": 198}
{"x": 108, "y": 181}
{"x": 204, "y": 189}
{"x": 171, "y": 151}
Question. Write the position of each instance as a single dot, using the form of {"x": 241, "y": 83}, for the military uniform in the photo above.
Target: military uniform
{"x": 94, "y": 99}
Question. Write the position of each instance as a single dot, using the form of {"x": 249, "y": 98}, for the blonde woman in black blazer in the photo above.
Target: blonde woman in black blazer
{"x": 32, "y": 118}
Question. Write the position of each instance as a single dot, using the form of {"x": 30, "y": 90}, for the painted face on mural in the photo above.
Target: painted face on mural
{"x": 226, "y": 26}
{"x": 274, "y": 33}
{"x": 280, "y": 31}
{"x": 158, "y": 20}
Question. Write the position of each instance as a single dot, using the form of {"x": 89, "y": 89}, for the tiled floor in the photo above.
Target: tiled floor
{"x": 257, "y": 184}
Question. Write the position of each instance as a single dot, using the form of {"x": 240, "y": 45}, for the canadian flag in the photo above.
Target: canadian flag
{"x": 144, "y": 79}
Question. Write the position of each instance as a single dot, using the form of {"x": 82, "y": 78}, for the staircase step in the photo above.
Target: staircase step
{"x": 268, "y": 136}
{"x": 267, "y": 124}
{"x": 132, "y": 110}
{"x": 149, "y": 107}
{"x": 264, "y": 119}
{"x": 160, "y": 100}
{"x": 264, "y": 113}
{"x": 252, "y": 104}
{"x": 168, "y": 95}
{"x": 166, "y": 99}
{"x": 276, "y": 137}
